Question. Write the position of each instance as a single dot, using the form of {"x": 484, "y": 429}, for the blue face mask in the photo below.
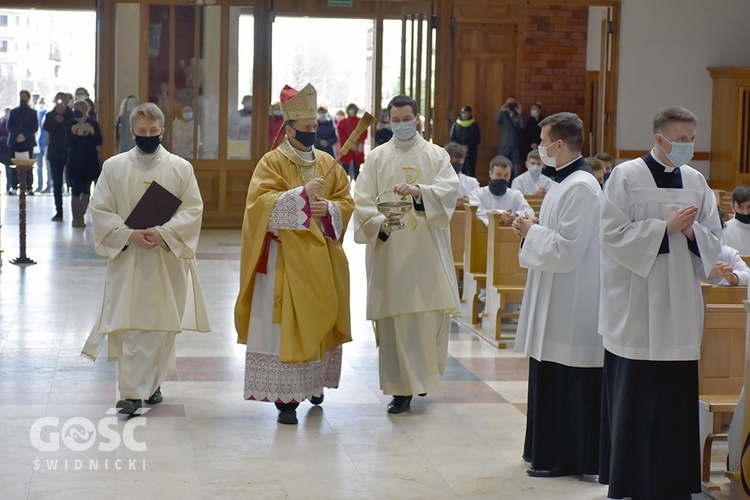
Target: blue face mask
{"x": 682, "y": 152}
{"x": 404, "y": 130}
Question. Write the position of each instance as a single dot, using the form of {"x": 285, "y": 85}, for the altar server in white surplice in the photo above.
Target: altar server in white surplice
{"x": 533, "y": 181}
{"x": 557, "y": 328}
{"x": 498, "y": 196}
{"x": 411, "y": 283}
{"x": 660, "y": 237}
{"x": 466, "y": 183}
{"x": 151, "y": 290}
{"x": 737, "y": 230}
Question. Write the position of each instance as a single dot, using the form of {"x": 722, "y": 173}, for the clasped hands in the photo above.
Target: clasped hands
{"x": 318, "y": 206}
{"x": 682, "y": 221}
{"x": 725, "y": 271}
{"x": 146, "y": 238}
{"x": 523, "y": 223}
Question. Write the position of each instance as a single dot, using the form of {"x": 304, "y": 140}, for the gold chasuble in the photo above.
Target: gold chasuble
{"x": 311, "y": 293}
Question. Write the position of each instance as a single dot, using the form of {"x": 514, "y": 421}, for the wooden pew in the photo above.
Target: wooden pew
{"x": 721, "y": 366}
{"x": 475, "y": 261}
{"x": 506, "y": 279}
{"x": 458, "y": 223}
{"x": 746, "y": 258}
{"x": 535, "y": 201}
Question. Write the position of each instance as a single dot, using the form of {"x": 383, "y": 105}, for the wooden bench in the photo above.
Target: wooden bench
{"x": 722, "y": 364}
{"x": 458, "y": 223}
{"x": 475, "y": 261}
{"x": 506, "y": 279}
{"x": 535, "y": 201}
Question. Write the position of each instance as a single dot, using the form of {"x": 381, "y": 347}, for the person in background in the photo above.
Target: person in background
{"x": 730, "y": 269}
{"x": 532, "y": 131}
{"x": 55, "y": 123}
{"x": 22, "y": 125}
{"x": 383, "y": 132}
{"x": 465, "y": 131}
{"x": 83, "y": 95}
{"x": 42, "y": 169}
{"x": 275, "y": 121}
{"x": 338, "y": 116}
{"x": 83, "y": 137}
{"x": 326, "y": 137}
{"x": 533, "y": 181}
{"x": 183, "y": 133}
{"x": 511, "y": 122}
{"x": 241, "y": 122}
{"x": 124, "y": 138}
{"x": 607, "y": 161}
{"x": 5, "y": 150}
{"x": 597, "y": 166}
{"x": 466, "y": 183}
{"x": 737, "y": 230}
{"x": 356, "y": 155}
{"x": 498, "y": 196}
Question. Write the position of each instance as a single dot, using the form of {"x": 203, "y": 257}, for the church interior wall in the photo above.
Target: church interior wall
{"x": 665, "y": 48}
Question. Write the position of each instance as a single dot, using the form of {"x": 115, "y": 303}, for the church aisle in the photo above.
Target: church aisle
{"x": 204, "y": 441}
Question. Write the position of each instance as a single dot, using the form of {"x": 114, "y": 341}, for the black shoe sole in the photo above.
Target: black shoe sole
{"x": 128, "y": 406}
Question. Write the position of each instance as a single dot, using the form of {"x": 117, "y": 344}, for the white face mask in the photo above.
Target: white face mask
{"x": 682, "y": 152}
{"x": 535, "y": 113}
{"x": 322, "y": 117}
{"x": 550, "y": 161}
{"x": 534, "y": 168}
{"x": 351, "y": 113}
{"x": 187, "y": 116}
{"x": 404, "y": 130}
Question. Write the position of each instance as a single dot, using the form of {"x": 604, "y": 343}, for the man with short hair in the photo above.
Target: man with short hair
{"x": 22, "y": 126}
{"x": 661, "y": 236}
{"x": 511, "y": 122}
{"x": 557, "y": 328}
{"x": 292, "y": 310}
{"x": 533, "y": 181}
{"x": 152, "y": 291}
{"x": 411, "y": 282}
{"x": 55, "y": 123}
{"x": 498, "y": 196}
{"x": 466, "y": 183}
{"x": 737, "y": 232}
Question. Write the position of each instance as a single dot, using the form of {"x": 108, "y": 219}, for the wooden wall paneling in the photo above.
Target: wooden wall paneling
{"x": 208, "y": 181}
{"x": 591, "y": 115}
{"x": 105, "y": 74}
{"x": 444, "y": 110}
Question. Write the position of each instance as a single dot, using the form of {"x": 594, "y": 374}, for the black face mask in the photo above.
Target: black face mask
{"x": 307, "y": 139}
{"x": 24, "y": 102}
{"x": 498, "y": 187}
{"x": 745, "y": 219}
{"x": 77, "y": 113}
{"x": 458, "y": 167}
{"x": 147, "y": 143}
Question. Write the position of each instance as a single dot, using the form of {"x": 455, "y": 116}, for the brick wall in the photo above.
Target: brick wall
{"x": 554, "y": 59}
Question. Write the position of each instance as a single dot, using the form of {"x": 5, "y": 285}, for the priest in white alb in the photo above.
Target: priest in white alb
{"x": 411, "y": 283}
{"x": 292, "y": 310}
{"x": 737, "y": 230}
{"x": 151, "y": 290}
{"x": 661, "y": 236}
{"x": 557, "y": 328}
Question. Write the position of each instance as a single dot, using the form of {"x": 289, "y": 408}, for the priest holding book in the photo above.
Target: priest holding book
{"x": 152, "y": 291}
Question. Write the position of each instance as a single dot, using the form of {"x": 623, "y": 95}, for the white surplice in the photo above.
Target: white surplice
{"x": 651, "y": 303}
{"x": 730, "y": 256}
{"x": 737, "y": 236}
{"x": 410, "y": 274}
{"x": 528, "y": 183}
{"x": 466, "y": 184}
{"x": 511, "y": 200}
{"x": 153, "y": 290}
{"x": 559, "y": 316}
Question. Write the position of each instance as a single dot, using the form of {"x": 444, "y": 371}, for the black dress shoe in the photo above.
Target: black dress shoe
{"x": 155, "y": 398}
{"x": 288, "y": 417}
{"x": 316, "y": 400}
{"x": 57, "y": 218}
{"x": 399, "y": 404}
{"x": 422, "y": 394}
{"x": 128, "y": 406}
{"x": 553, "y": 472}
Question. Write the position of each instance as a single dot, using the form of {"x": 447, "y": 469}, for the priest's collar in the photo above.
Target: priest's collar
{"x": 295, "y": 156}
{"x": 668, "y": 169}
{"x": 559, "y": 174}
{"x": 664, "y": 176}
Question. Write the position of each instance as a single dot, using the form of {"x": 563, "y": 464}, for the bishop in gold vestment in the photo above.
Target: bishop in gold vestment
{"x": 293, "y": 307}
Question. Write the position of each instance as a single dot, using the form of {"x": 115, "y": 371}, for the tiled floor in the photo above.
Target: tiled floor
{"x": 204, "y": 441}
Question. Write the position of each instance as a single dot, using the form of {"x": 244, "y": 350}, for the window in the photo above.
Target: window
{"x": 3, "y": 45}
{"x": 3, "y": 20}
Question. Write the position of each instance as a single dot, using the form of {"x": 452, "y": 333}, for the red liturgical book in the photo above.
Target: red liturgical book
{"x": 156, "y": 206}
